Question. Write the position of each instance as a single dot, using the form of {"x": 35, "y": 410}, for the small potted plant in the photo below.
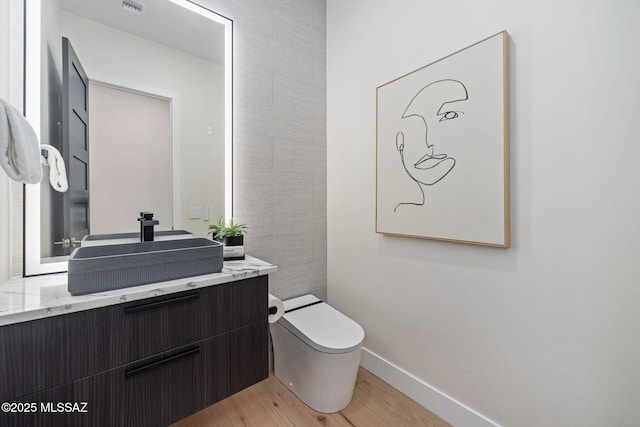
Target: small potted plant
{"x": 231, "y": 235}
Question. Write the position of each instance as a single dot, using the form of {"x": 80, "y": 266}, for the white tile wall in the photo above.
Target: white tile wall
{"x": 280, "y": 164}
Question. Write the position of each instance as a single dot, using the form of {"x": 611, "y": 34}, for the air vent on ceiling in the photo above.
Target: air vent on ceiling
{"x": 133, "y": 6}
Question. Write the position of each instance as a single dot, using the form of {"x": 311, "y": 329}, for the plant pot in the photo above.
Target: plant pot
{"x": 233, "y": 247}
{"x": 233, "y": 240}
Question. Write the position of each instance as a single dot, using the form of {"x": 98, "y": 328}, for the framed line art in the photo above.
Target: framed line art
{"x": 442, "y": 148}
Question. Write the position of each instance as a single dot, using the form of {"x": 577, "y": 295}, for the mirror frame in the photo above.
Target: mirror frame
{"x": 33, "y": 263}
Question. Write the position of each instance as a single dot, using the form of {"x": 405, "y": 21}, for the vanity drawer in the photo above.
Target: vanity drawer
{"x": 158, "y": 390}
{"x": 159, "y": 324}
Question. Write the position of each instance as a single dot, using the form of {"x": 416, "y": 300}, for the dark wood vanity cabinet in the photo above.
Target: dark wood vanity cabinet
{"x": 149, "y": 362}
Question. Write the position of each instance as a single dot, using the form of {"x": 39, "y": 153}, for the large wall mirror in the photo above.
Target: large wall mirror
{"x": 137, "y": 98}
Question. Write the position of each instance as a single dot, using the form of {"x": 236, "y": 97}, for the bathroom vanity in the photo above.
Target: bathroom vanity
{"x": 148, "y": 355}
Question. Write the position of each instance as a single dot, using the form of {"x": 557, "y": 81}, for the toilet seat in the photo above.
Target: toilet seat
{"x": 321, "y": 326}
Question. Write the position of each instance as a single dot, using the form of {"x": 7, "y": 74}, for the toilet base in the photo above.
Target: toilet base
{"x": 323, "y": 381}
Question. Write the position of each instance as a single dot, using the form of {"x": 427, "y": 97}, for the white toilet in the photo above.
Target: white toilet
{"x": 316, "y": 352}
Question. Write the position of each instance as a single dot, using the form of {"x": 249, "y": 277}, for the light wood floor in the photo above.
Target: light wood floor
{"x": 269, "y": 403}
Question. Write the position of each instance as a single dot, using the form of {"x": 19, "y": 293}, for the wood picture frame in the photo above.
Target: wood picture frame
{"x": 442, "y": 148}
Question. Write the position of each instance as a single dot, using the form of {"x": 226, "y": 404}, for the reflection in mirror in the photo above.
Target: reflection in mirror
{"x": 138, "y": 102}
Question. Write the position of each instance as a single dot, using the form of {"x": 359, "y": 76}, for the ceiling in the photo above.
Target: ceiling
{"x": 162, "y": 21}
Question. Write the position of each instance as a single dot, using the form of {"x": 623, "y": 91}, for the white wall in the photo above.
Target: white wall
{"x": 5, "y": 13}
{"x": 11, "y": 88}
{"x": 4, "y": 180}
{"x": 544, "y": 333}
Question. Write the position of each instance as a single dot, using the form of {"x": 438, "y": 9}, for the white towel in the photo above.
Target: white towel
{"x": 19, "y": 148}
{"x": 57, "y": 170}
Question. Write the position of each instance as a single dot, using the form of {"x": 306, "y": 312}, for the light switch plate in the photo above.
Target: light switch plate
{"x": 195, "y": 212}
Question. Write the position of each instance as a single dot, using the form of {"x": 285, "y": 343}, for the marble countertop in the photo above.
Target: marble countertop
{"x": 38, "y": 297}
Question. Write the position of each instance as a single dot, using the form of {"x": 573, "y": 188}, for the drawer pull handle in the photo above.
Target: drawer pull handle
{"x": 134, "y": 370}
{"x": 193, "y": 295}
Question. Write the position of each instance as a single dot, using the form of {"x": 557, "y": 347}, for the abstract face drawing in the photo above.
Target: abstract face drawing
{"x": 421, "y": 151}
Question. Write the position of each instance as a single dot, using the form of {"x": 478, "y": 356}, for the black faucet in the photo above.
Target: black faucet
{"x": 146, "y": 226}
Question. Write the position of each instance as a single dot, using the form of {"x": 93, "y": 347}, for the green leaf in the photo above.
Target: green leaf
{"x": 229, "y": 229}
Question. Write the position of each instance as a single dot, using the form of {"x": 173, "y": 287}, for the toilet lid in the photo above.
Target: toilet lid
{"x": 321, "y": 326}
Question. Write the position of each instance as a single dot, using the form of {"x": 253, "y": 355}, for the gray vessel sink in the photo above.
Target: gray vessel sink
{"x": 118, "y": 238}
{"x": 103, "y": 268}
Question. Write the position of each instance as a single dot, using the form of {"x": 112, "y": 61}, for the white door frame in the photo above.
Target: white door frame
{"x": 174, "y": 111}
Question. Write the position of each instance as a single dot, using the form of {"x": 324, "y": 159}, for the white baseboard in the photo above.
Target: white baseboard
{"x": 447, "y": 408}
